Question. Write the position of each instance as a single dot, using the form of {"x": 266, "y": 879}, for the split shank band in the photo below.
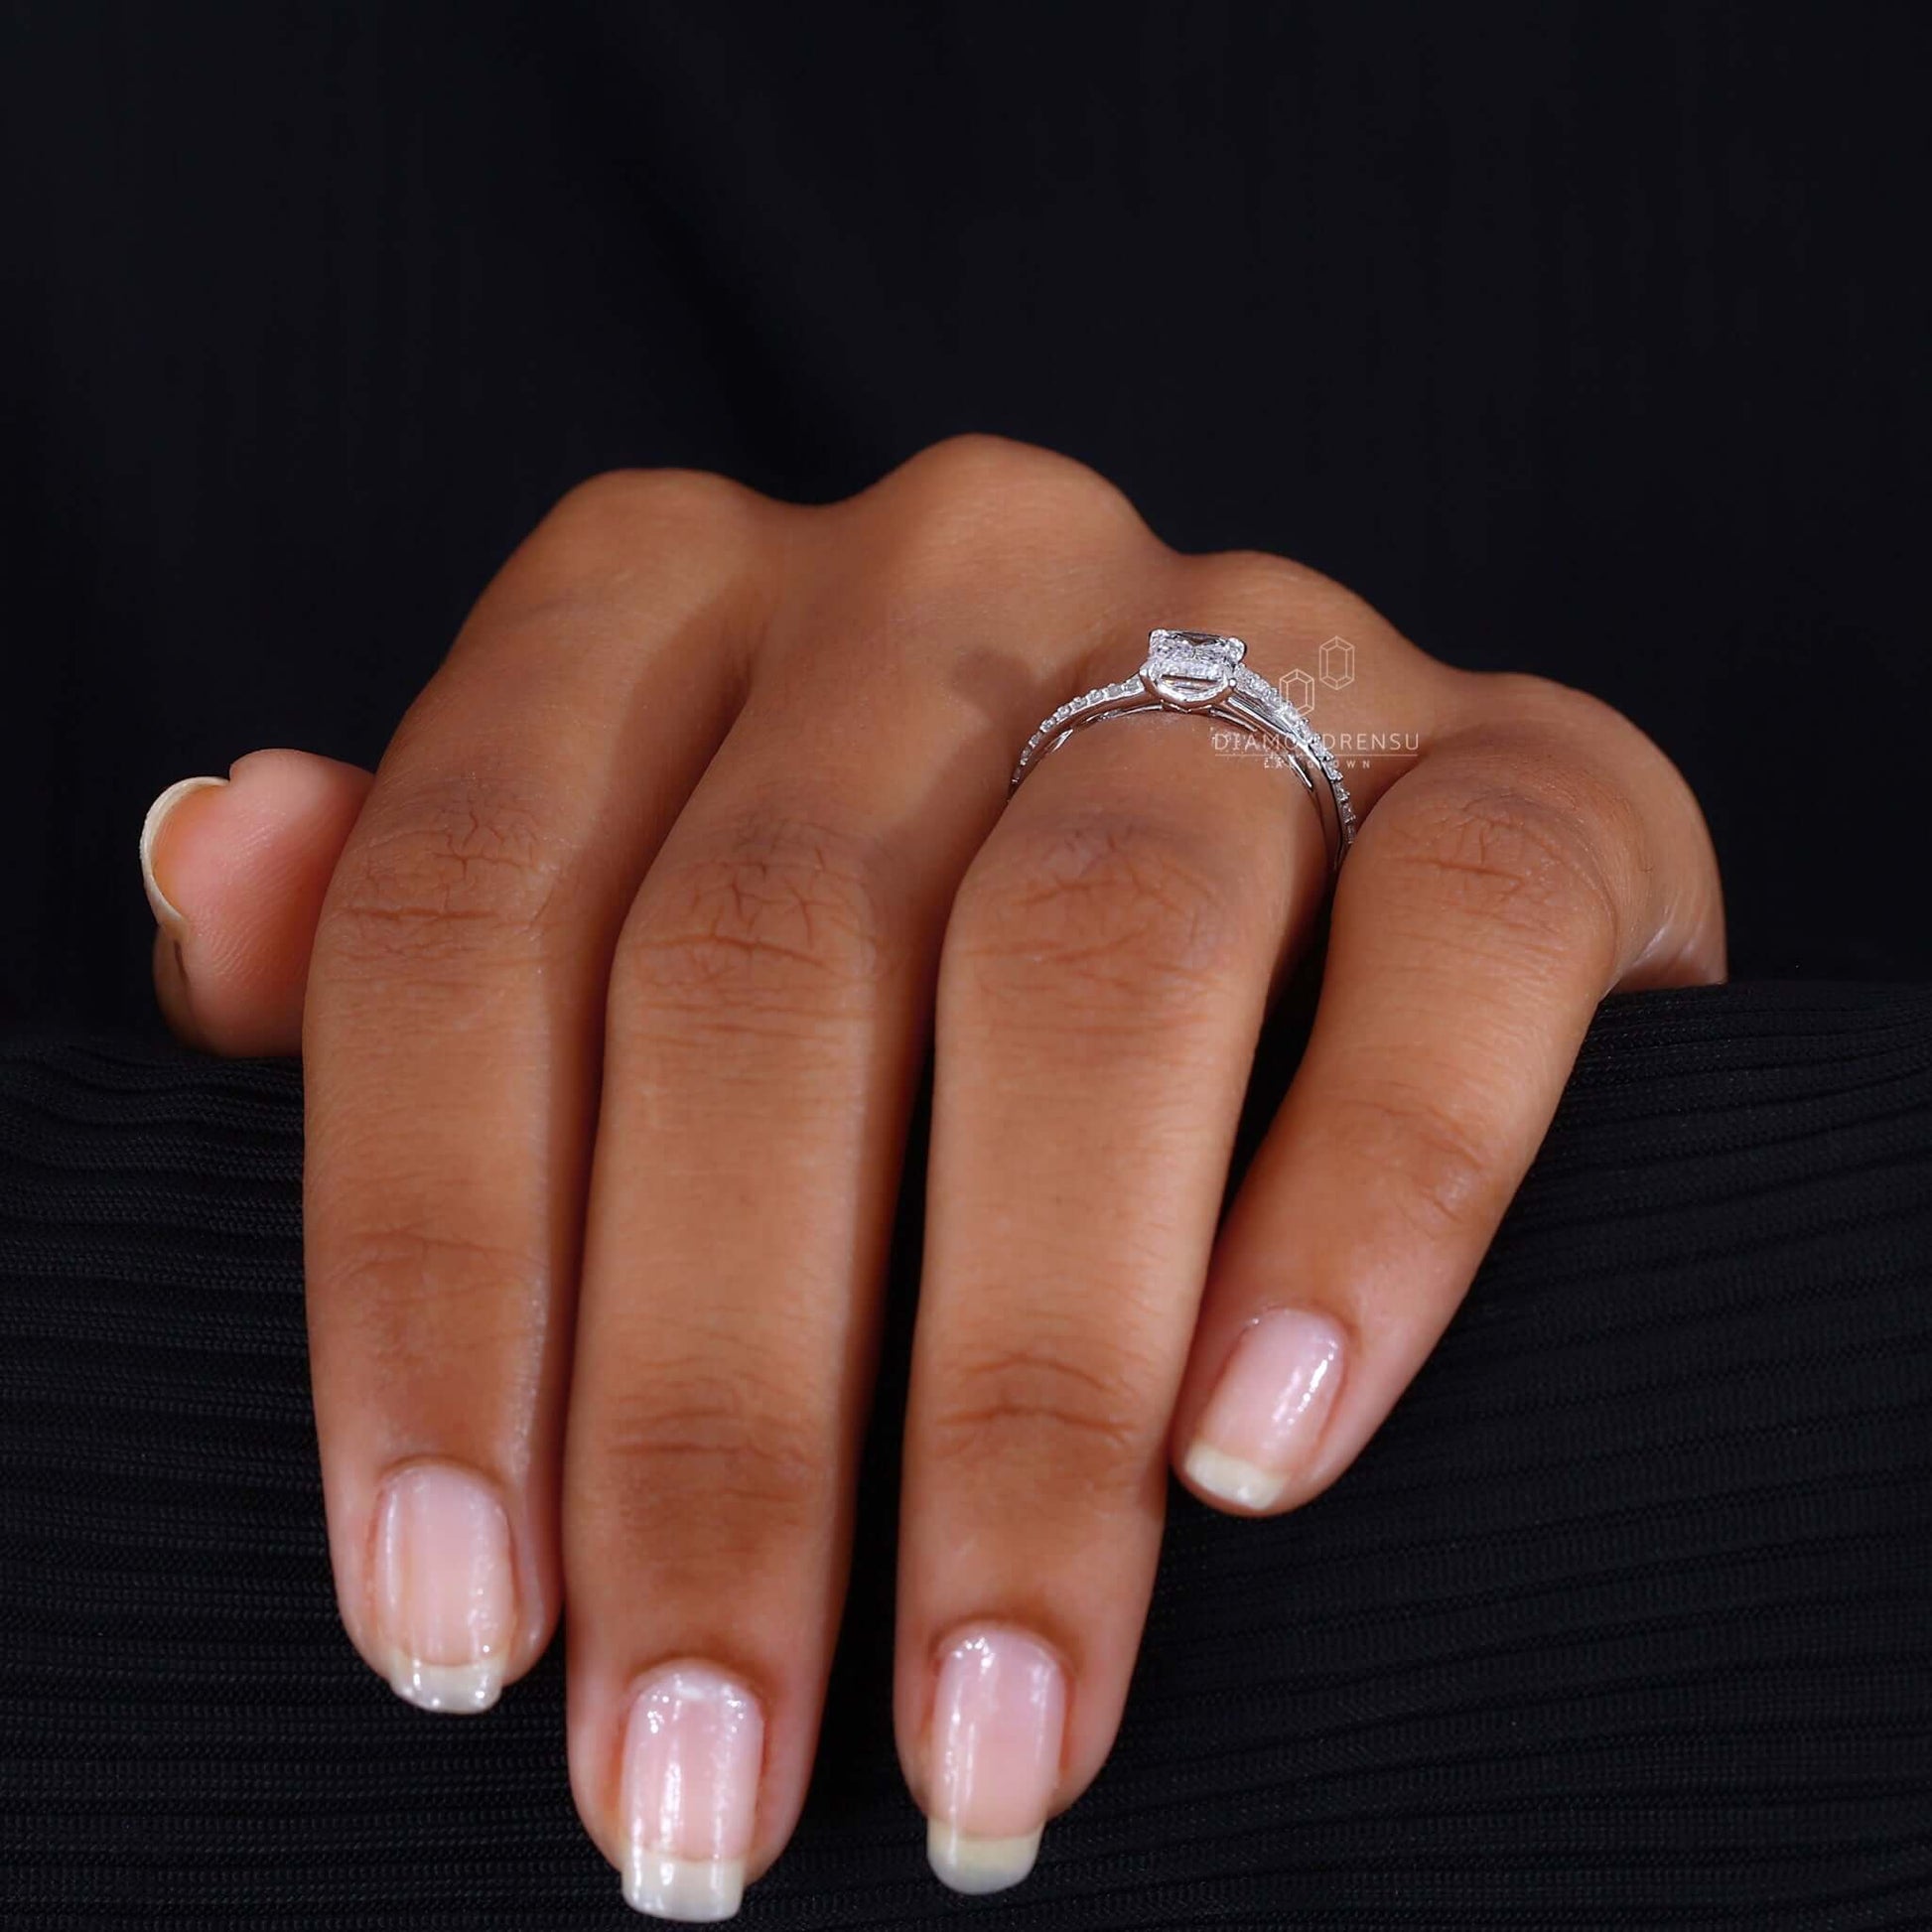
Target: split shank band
{"x": 1203, "y": 672}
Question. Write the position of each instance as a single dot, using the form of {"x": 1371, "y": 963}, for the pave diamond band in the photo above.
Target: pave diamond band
{"x": 1203, "y": 672}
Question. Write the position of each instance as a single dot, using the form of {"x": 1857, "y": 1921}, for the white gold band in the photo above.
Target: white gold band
{"x": 1202, "y": 671}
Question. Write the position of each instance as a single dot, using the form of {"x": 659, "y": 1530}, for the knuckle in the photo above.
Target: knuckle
{"x": 1261, "y": 583}
{"x": 781, "y": 919}
{"x": 1127, "y": 907}
{"x": 978, "y": 464}
{"x": 1608, "y": 761}
{"x": 737, "y": 1440}
{"x": 1523, "y": 691}
{"x": 1577, "y": 749}
{"x": 424, "y": 1301}
{"x": 607, "y": 512}
{"x": 456, "y": 867}
{"x": 1529, "y": 696}
{"x": 1510, "y": 859}
{"x": 971, "y": 498}
{"x": 1244, "y": 581}
{"x": 1437, "y": 1164}
{"x": 688, "y": 525}
{"x": 1253, "y": 591}
{"x": 1057, "y": 1403}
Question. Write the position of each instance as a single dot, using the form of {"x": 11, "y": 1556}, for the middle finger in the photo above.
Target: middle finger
{"x": 768, "y": 1011}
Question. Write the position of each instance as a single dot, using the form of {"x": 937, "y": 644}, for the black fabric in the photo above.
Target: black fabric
{"x": 1625, "y": 1621}
{"x": 1580, "y": 339}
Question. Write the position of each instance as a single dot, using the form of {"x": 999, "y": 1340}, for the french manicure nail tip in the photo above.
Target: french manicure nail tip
{"x": 693, "y": 1891}
{"x": 998, "y": 1715}
{"x": 453, "y": 1688}
{"x": 693, "y": 1751}
{"x": 1233, "y": 1479}
{"x": 979, "y": 1864}
{"x": 444, "y": 1591}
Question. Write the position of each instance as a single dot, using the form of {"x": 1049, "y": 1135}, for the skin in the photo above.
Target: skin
{"x": 613, "y": 984}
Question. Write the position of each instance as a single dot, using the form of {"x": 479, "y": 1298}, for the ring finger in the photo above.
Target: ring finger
{"x": 1105, "y": 976}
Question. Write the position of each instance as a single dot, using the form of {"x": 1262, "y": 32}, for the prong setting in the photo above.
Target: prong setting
{"x": 1191, "y": 670}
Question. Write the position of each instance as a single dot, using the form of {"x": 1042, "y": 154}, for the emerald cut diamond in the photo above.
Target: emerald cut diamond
{"x": 1191, "y": 669}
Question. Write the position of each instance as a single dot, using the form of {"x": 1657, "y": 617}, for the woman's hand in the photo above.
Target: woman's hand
{"x": 614, "y": 988}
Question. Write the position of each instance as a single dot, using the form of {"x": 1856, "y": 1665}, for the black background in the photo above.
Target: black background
{"x": 1583, "y": 339}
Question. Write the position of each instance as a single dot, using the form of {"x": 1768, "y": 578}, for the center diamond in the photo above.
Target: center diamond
{"x": 1191, "y": 669}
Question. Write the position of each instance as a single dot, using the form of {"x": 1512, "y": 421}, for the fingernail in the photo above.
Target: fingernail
{"x": 445, "y": 1591}
{"x": 166, "y": 913}
{"x": 1265, "y": 1417}
{"x": 995, "y": 1757}
{"x": 693, "y": 1748}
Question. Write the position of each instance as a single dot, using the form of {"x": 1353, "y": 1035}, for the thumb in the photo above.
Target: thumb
{"x": 235, "y": 870}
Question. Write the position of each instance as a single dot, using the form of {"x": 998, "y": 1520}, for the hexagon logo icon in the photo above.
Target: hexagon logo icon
{"x": 1337, "y": 663}
{"x": 1296, "y": 687}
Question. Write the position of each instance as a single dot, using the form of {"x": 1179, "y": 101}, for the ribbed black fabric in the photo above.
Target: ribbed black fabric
{"x": 1625, "y": 1621}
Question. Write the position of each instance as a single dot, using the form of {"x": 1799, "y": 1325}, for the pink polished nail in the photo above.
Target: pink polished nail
{"x": 693, "y": 1749}
{"x": 445, "y": 1591}
{"x": 1264, "y": 1419}
{"x": 997, "y": 1715}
